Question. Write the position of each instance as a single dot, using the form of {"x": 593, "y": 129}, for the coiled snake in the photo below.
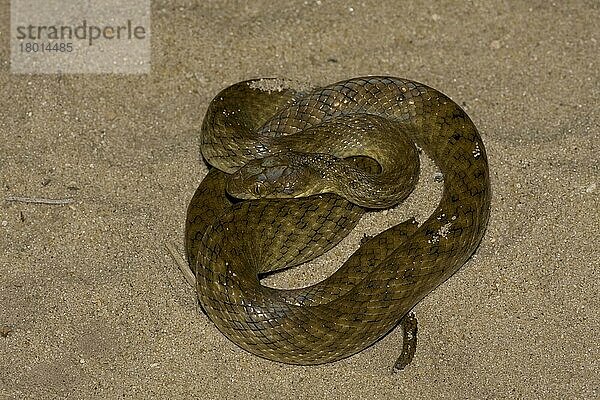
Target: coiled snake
{"x": 266, "y": 133}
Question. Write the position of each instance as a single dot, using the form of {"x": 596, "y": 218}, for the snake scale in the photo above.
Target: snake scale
{"x": 231, "y": 244}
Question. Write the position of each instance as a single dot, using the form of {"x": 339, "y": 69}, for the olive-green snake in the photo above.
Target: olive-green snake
{"x": 231, "y": 243}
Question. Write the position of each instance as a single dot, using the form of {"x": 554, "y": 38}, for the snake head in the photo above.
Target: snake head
{"x": 281, "y": 176}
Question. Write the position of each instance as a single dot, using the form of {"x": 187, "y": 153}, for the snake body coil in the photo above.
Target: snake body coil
{"x": 229, "y": 244}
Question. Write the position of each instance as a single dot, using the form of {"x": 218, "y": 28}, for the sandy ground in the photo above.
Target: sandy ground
{"x": 96, "y": 307}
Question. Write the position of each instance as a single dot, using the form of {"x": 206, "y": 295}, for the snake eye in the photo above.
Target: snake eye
{"x": 257, "y": 189}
